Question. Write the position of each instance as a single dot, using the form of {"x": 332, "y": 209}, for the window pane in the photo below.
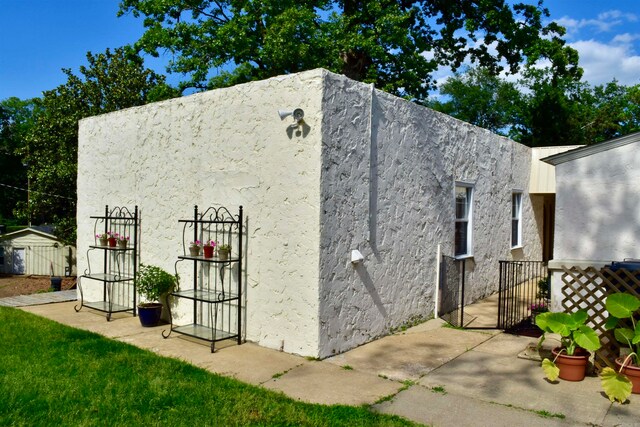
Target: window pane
{"x": 461, "y": 203}
{"x": 515, "y": 233}
{"x": 461, "y": 238}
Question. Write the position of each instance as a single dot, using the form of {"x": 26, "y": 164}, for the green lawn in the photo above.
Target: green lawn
{"x": 52, "y": 374}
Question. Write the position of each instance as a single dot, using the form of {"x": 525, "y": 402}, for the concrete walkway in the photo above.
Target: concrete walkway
{"x": 37, "y": 299}
{"x": 430, "y": 374}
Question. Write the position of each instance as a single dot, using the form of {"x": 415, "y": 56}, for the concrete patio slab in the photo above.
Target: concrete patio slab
{"x": 409, "y": 356}
{"x": 319, "y": 382}
{"x": 447, "y": 409}
{"x": 486, "y": 376}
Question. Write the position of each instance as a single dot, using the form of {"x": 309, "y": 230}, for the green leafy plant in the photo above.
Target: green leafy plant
{"x": 574, "y": 334}
{"x": 224, "y": 248}
{"x": 153, "y": 282}
{"x": 622, "y": 306}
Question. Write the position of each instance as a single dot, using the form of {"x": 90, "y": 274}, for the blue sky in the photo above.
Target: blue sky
{"x": 40, "y": 37}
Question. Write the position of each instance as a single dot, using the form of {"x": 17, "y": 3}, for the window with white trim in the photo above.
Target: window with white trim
{"x": 464, "y": 204}
{"x": 516, "y": 219}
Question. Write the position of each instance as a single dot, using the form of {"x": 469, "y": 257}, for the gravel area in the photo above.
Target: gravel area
{"x": 14, "y": 285}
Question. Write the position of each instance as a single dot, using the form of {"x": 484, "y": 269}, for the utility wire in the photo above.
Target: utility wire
{"x": 36, "y": 192}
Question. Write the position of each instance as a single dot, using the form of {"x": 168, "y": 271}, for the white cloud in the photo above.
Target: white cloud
{"x": 602, "y": 62}
{"x": 604, "y": 23}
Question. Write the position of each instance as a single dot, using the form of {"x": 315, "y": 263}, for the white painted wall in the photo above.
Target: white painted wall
{"x": 597, "y": 206}
{"x": 388, "y": 190}
{"x": 225, "y": 147}
{"x": 307, "y": 197}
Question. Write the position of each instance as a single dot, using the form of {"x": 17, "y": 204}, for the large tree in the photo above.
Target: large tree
{"x": 16, "y": 118}
{"x": 478, "y": 97}
{"x": 396, "y": 44}
{"x": 111, "y": 81}
{"x": 542, "y": 109}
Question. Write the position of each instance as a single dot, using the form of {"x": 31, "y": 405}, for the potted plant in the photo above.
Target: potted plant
{"x": 103, "y": 238}
{"x": 122, "y": 240}
{"x": 619, "y": 385}
{"x": 208, "y": 248}
{"x": 536, "y": 309}
{"x": 223, "y": 252}
{"x": 111, "y": 237}
{"x": 194, "y": 248}
{"x": 576, "y": 341}
{"x": 154, "y": 284}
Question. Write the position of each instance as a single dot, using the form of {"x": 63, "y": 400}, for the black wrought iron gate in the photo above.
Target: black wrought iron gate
{"x": 451, "y": 306}
{"x": 524, "y": 289}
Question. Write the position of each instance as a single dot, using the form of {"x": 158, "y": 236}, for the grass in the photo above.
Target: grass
{"x": 57, "y": 375}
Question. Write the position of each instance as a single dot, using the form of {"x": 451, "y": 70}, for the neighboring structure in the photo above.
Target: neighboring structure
{"x": 597, "y": 198}
{"x": 33, "y": 251}
{"x": 363, "y": 171}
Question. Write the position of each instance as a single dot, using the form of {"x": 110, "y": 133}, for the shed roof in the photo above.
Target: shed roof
{"x": 592, "y": 149}
{"x": 28, "y": 230}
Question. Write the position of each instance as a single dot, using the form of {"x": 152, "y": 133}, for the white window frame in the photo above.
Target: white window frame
{"x": 468, "y": 219}
{"x": 516, "y": 216}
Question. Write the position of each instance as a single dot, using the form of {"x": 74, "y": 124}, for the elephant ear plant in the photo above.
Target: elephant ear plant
{"x": 574, "y": 334}
{"x": 622, "y": 306}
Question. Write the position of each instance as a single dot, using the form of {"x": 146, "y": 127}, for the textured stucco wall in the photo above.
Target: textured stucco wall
{"x": 388, "y": 191}
{"x": 224, "y": 147}
{"x": 597, "y": 206}
{"x": 373, "y": 173}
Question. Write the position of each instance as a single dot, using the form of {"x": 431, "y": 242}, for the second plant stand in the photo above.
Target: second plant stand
{"x": 215, "y": 294}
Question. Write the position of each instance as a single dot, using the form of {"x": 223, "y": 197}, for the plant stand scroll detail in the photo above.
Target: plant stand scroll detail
{"x": 215, "y": 295}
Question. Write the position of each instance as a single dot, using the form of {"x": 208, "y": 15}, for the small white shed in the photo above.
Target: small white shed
{"x": 32, "y": 251}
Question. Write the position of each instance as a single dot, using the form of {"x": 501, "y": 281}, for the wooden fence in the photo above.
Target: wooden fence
{"x": 588, "y": 289}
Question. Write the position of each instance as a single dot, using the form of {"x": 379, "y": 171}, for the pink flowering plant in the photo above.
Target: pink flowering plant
{"x": 539, "y": 307}
{"x": 210, "y": 243}
{"x": 195, "y": 243}
{"x": 121, "y": 237}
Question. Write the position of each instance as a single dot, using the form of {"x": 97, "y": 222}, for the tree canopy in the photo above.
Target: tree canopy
{"x": 395, "y": 44}
{"x": 542, "y": 109}
{"x": 111, "y": 81}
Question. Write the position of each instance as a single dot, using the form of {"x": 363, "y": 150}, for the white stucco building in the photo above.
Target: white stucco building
{"x": 596, "y": 200}
{"x": 364, "y": 171}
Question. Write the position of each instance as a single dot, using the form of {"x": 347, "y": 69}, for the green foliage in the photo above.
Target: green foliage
{"x": 16, "y": 117}
{"x": 543, "y": 108}
{"x": 625, "y": 306}
{"x": 480, "y": 98}
{"x": 393, "y": 43}
{"x": 615, "y": 385}
{"x": 52, "y": 375}
{"x": 111, "y": 81}
{"x": 572, "y": 329}
{"x": 551, "y": 371}
{"x": 153, "y": 282}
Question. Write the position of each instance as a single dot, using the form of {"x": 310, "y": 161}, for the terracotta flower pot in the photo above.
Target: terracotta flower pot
{"x": 632, "y": 372}
{"x": 122, "y": 244}
{"x": 208, "y": 251}
{"x": 223, "y": 255}
{"x": 572, "y": 368}
{"x": 194, "y": 250}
